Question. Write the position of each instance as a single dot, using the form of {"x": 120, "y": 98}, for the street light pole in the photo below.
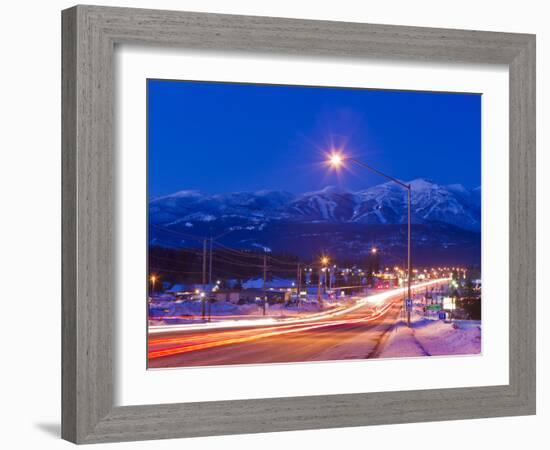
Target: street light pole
{"x": 210, "y": 264}
{"x": 264, "y": 280}
{"x": 298, "y": 286}
{"x": 336, "y": 160}
{"x": 319, "y": 287}
{"x": 203, "y": 306}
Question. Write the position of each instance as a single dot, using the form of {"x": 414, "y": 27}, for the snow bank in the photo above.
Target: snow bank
{"x": 428, "y": 337}
{"x": 440, "y": 338}
{"x": 401, "y": 343}
{"x": 178, "y": 312}
{"x": 194, "y": 308}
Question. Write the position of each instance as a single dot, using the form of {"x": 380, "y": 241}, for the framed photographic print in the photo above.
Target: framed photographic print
{"x": 278, "y": 224}
{"x": 270, "y": 246}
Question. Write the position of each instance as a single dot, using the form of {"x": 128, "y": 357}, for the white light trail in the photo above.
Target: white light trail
{"x": 374, "y": 299}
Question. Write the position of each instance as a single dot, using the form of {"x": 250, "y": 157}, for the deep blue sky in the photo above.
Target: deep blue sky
{"x": 221, "y": 137}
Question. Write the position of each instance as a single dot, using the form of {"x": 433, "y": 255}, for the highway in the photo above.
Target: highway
{"x": 354, "y": 332}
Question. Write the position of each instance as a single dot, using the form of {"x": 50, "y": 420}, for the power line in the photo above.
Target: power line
{"x": 158, "y": 269}
{"x": 236, "y": 262}
{"x": 240, "y": 252}
{"x": 179, "y": 233}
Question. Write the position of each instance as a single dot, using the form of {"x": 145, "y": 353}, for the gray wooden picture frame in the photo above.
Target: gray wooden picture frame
{"x": 90, "y": 34}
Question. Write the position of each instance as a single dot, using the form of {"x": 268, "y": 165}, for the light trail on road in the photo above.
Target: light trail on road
{"x": 374, "y": 299}
{"x": 171, "y": 343}
{"x": 252, "y": 335}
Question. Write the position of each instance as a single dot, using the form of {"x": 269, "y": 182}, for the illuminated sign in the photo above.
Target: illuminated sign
{"x": 448, "y": 303}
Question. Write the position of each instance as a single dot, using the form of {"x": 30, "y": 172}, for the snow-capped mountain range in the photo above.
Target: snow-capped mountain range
{"x": 445, "y": 218}
{"x": 382, "y": 204}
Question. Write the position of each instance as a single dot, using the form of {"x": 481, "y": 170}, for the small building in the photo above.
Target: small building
{"x": 228, "y": 296}
{"x": 252, "y": 295}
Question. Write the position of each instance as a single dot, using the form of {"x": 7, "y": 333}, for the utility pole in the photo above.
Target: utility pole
{"x": 409, "y": 253}
{"x": 265, "y": 277}
{"x": 319, "y": 301}
{"x": 203, "y": 278}
{"x": 210, "y": 282}
{"x": 298, "y": 285}
{"x": 210, "y": 264}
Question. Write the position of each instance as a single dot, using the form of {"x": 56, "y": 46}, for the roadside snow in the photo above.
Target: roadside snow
{"x": 166, "y": 312}
{"x": 442, "y": 338}
{"x": 428, "y": 337}
{"x": 401, "y": 343}
{"x": 174, "y": 309}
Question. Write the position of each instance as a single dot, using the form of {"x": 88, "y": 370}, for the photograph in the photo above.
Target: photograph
{"x": 292, "y": 224}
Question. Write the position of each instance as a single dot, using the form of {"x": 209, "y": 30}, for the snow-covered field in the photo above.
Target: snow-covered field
{"x": 172, "y": 312}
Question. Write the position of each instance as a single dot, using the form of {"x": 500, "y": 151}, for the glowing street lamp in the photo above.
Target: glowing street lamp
{"x": 153, "y": 280}
{"x": 324, "y": 262}
{"x": 337, "y": 160}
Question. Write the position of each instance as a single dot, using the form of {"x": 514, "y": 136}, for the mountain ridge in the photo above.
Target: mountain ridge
{"x": 380, "y": 204}
{"x": 342, "y": 223}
